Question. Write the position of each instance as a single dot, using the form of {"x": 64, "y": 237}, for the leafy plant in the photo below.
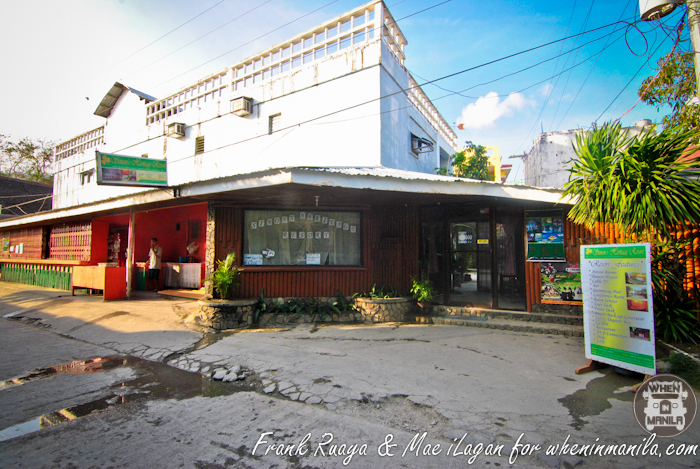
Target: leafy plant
{"x": 686, "y": 368}
{"x": 226, "y": 277}
{"x": 375, "y": 293}
{"x": 422, "y": 290}
{"x": 676, "y": 322}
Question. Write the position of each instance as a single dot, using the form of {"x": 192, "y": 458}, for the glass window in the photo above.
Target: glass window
{"x": 371, "y": 33}
{"x": 332, "y": 47}
{"x": 248, "y": 68}
{"x": 248, "y": 81}
{"x": 286, "y": 51}
{"x": 308, "y": 42}
{"x": 285, "y": 66}
{"x": 358, "y": 37}
{"x": 296, "y": 47}
{"x": 308, "y": 57}
{"x": 291, "y": 237}
{"x": 296, "y": 62}
{"x": 257, "y": 78}
{"x": 266, "y": 61}
{"x": 345, "y": 42}
{"x": 319, "y": 37}
{"x": 332, "y": 32}
{"x": 275, "y": 56}
{"x": 359, "y": 20}
{"x": 266, "y": 74}
{"x": 344, "y": 27}
{"x": 258, "y": 64}
{"x": 320, "y": 52}
{"x": 275, "y": 70}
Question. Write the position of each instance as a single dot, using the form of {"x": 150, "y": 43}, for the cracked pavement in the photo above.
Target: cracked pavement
{"x": 358, "y": 382}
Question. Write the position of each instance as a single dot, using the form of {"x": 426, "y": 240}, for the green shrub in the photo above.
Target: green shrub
{"x": 226, "y": 277}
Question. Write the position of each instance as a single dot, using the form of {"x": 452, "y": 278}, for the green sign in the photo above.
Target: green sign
{"x": 618, "y": 314}
{"x": 119, "y": 170}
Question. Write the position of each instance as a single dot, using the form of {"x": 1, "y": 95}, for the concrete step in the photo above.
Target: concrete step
{"x": 467, "y": 313}
{"x": 568, "y": 330}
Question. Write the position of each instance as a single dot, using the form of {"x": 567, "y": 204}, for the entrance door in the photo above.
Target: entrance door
{"x": 471, "y": 263}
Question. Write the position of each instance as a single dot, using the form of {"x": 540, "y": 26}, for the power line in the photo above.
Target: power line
{"x": 589, "y": 73}
{"x": 246, "y": 43}
{"x": 200, "y": 37}
{"x": 164, "y": 35}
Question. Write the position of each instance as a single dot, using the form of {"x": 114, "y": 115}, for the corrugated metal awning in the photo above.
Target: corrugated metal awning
{"x": 113, "y": 95}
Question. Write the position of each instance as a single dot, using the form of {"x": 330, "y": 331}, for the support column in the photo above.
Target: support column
{"x": 130, "y": 253}
{"x": 210, "y": 255}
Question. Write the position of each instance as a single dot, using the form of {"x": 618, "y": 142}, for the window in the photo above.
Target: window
{"x": 266, "y": 74}
{"x": 199, "y": 145}
{"x": 296, "y": 62}
{"x": 286, "y": 51}
{"x": 421, "y": 145}
{"x": 258, "y": 64}
{"x": 275, "y": 122}
{"x": 345, "y": 42}
{"x": 275, "y": 70}
{"x": 308, "y": 57}
{"x": 308, "y": 42}
{"x": 296, "y": 47}
{"x": 85, "y": 177}
{"x": 248, "y": 68}
{"x": 332, "y": 32}
{"x": 319, "y": 37}
{"x": 332, "y": 47}
{"x": 359, "y": 20}
{"x": 266, "y": 61}
{"x": 285, "y": 66}
{"x": 320, "y": 52}
{"x": 275, "y": 56}
{"x": 344, "y": 27}
{"x": 299, "y": 238}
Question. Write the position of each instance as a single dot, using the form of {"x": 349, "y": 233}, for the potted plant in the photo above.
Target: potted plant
{"x": 226, "y": 277}
{"x": 423, "y": 291}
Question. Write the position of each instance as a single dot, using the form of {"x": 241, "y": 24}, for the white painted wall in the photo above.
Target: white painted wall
{"x": 360, "y": 136}
{"x": 548, "y": 162}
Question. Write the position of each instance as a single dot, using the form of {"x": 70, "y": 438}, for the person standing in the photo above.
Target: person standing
{"x": 154, "y": 256}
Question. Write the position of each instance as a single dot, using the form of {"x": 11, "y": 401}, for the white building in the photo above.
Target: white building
{"x": 548, "y": 162}
{"x": 336, "y": 95}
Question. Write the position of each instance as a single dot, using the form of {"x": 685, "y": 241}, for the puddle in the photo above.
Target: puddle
{"x": 595, "y": 398}
{"x": 155, "y": 381}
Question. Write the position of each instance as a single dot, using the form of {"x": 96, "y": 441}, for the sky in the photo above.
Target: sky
{"x": 61, "y": 58}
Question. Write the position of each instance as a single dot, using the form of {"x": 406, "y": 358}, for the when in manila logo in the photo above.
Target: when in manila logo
{"x": 665, "y": 405}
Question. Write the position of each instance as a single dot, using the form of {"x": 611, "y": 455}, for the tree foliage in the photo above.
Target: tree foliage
{"x": 471, "y": 163}
{"x": 673, "y": 86}
{"x": 644, "y": 184}
{"x": 27, "y": 159}
{"x": 647, "y": 185}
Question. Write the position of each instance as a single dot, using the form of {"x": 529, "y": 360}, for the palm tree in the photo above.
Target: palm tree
{"x": 647, "y": 185}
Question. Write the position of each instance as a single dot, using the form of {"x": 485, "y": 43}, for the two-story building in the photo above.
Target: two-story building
{"x": 313, "y": 160}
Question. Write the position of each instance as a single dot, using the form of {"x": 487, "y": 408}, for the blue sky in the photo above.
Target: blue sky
{"x": 57, "y": 54}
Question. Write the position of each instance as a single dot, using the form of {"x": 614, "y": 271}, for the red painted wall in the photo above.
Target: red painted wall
{"x": 162, "y": 224}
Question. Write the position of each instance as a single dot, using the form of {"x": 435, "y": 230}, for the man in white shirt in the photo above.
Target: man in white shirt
{"x": 154, "y": 255}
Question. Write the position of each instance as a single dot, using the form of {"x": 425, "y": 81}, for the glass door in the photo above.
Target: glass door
{"x": 470, "y": 269}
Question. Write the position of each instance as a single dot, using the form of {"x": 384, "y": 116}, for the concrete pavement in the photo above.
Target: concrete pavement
{"x": 360, "y": 383}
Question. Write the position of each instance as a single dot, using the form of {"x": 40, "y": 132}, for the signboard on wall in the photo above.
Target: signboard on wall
{"x": 560, "y": 282}
{"x": 545, "y": 235}
{"x": 618, "y": 314}
{"x": 119, "y": 170}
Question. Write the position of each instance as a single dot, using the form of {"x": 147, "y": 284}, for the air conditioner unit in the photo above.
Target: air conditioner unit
{"x": 176, "y": 130}
{"x": 242, "y": 106}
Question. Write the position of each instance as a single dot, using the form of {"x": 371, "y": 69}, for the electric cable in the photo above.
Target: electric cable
{"x": 164, "y": 35}
{"x": 200, "y": 37}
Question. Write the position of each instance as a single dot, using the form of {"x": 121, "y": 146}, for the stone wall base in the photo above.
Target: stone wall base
{"x": 384, "y": 309}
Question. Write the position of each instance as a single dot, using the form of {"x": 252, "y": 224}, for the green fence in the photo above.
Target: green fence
{"x": 51, "y": 276}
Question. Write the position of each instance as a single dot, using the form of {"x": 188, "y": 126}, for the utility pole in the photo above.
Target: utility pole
{"x": 694, "y": 25}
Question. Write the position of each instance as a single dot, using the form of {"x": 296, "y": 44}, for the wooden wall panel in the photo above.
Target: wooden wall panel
{"x": 390, "y": 257}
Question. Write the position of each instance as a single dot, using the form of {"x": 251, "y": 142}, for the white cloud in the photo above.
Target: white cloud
{"x": 546, "y": 89}
{"x": 487, "y": 109}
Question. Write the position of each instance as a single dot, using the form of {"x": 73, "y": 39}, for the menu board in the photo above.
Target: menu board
{"x": 618, "y": 314}
{"x": 545, "y": 235}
